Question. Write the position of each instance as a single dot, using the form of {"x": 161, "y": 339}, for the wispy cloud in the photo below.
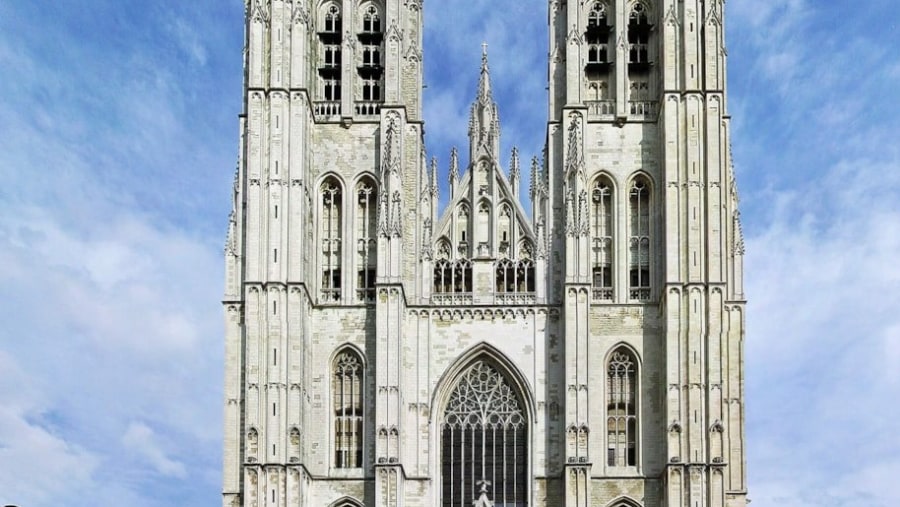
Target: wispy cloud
{"x": 144, "y": 442}
{"x": 815, "y": 148}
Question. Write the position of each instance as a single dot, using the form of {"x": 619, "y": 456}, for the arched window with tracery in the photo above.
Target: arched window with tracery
{"x": 371, "y": 39}
{"x": 366, "y": 219}
{"x": 330, "y": 46}
{"x": 330, "y": 235}
{"x": 453, "y": 276}
{"x": 639, "y": 247}
{"x": 639, "y": 28}
{"x": 602, "y": 245}
{"x": 598, "y": 31}
{"x": 515, "y": 276}
{"x": 347, "y": 390}
{"x": 484, "y": 440}
{"x": 640, "y": 47}
{"x": 621, "y": 409}
{"x": 599, "y": 38}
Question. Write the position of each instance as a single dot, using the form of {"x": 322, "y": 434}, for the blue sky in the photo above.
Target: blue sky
{"x": 118, "y": 141}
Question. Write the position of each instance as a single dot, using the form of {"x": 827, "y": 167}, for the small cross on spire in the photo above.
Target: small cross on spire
{"x": 484, "y": 49}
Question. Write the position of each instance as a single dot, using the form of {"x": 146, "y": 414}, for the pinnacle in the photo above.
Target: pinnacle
{"x": 484, "y": 82}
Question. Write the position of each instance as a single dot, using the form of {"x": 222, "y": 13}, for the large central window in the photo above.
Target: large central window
{"x": 484, "y": 441}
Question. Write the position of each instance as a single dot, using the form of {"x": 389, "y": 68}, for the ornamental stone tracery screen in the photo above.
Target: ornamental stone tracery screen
{"x": 484, "y": 438}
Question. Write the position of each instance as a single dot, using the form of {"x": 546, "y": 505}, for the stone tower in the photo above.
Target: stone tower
{"x": 383, "y": 352}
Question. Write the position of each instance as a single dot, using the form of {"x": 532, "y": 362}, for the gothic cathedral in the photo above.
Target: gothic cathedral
{"x": 585, "y": 351}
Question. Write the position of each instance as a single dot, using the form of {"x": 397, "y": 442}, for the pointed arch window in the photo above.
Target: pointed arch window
{"x": 331, "y": 19}
{"x": 505, "y": 231}
{"x": 347, "y": 390}
{"x": 641, "y": 103}
{"x": 639, "y": 248}
{"x": 484, "y": 440}
{"x": 453, "y": 276}
{"x": 331, "y": 237}
{"x": 365, "y": 240}
{"x": 371, "y": 19}
{"x": 371, "y": 40}
{"x": 602, "y": 239}
{"x": 330, "y": 52}
{"x": 597, "y": 34}
{"x": 483, "y": 229}
{"x": 515, "y": 276}
{"x": 621, "y": 409}
{"x": 639, "y": 28}
{"x": 599, "y": 38}
{"x": 462, "y": 220}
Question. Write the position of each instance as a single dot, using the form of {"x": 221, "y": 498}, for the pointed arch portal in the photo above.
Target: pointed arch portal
{"x": 484, "y": 440}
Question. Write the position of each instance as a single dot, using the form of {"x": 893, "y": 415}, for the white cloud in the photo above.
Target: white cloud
{"x": 37, "y": 465}
{"x": 822, "y": 338}
{"x": 117, "y": 160}
{"x": 142, "y": 440}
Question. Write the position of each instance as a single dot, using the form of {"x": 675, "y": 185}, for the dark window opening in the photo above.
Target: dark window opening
{"x": 639, "y": 29}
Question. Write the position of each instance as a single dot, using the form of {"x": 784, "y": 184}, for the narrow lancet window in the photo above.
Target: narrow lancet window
{"x": 370, "y": 68}
{"x": 504, "y": 231}
{"x": 347, "y": 388}
{"x": 602, "y": 240}
{"x": 365, "y": 241}
{"x": 598, "y": 37}
{"x": 598, "y": 34}
{"x": 330, "y": 53}
{"x": 638, "y": 35}
{"x": 639, "y": 248}
{"x": 621, "y": 411}
{"x": 641, "y": 101}
{"x": 330, "y": 235}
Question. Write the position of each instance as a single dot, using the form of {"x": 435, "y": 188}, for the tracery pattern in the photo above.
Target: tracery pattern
{"x": 639, "y": 248}
{"x": 330, "y": 233}
{"x": 621, "y": 422}
{"x": 602, "y": 240}
{"x": 484, "y": 440}
{"x": 347, "y": 384}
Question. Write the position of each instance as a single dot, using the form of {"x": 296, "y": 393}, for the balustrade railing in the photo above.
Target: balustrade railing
{"x": 327, "y": 110}
{"x": 452, "y": 299}
{"x": 601, "y": 109}
{"x": 366, "y": 296}
{"x": 642, "y": 109}
{"x": 367, "y": 109}
{"x": 330, "y": 295}
{"x": 514, "y": 298}
{"x": 602, "y": 293}
{"x": 639, "y": 294}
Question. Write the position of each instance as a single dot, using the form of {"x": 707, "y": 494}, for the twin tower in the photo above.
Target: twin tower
{"x": 584, "y": 352}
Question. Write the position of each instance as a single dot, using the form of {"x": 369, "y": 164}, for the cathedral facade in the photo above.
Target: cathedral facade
{"x": 585, "y": 350}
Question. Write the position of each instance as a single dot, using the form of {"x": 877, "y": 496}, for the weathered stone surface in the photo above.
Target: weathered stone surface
{"x": 484, "y": 279}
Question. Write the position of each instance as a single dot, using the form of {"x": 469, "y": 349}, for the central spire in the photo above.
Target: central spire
{"x": 484, "y": 121}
